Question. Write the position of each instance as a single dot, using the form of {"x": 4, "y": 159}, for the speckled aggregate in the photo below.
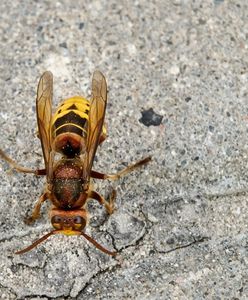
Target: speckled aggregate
{"x": 181, "y": 222}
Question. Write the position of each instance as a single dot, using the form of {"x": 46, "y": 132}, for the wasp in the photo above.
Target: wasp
{"x": 74, "y": 131}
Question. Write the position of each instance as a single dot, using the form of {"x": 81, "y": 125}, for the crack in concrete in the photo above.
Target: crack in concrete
{"x": 195, "y": 241}
{"x": 99, "y": 273}
{"x": 112, "y": 240}
{"x": 241, "y": 192}
{"x": 9, "y": 289}
{"x": 136, "y": 242}
{"x": 43, "y": 296}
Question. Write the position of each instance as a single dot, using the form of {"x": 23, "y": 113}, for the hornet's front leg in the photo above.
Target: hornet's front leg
{"x": 109, "y": 205}
{"x": 36, "y": 211}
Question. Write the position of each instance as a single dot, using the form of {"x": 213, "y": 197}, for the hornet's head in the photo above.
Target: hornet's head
{"x": 68, "y": 222}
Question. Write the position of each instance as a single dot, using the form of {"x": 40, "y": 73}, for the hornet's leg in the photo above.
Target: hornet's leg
{"x": 36, "y": 211}
{"x": 19, "y": 168}
{"x": 128, "y": 169}
{"x": 109, "y": 205}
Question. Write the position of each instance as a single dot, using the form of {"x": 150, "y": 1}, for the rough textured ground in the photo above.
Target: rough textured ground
{"x": 177, "y": 73}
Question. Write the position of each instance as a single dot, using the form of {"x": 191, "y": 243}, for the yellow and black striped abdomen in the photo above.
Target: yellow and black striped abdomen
{"x": 71, "y": 116}
{"x": 69, "y": 126}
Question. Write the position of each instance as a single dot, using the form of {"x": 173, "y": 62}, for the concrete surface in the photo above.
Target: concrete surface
{"x": 181, "y": 222}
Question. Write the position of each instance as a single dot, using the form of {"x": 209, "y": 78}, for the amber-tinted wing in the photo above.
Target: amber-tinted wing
{"x": 96, "y": 119}
{"x": 44, "y": 117}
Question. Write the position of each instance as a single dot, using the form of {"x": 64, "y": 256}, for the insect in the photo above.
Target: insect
{"x": 75, "y": 131}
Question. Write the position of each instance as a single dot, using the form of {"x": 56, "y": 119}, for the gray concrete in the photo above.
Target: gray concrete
{"x": 181, "y": 222}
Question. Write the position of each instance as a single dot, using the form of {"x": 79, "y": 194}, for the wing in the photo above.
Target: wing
{"x": 96, "y": 119}
{"x": 44, "y": 117}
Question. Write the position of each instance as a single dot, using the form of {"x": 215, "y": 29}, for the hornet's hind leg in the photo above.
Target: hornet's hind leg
{"x": 98, "y": 175}
{"x": 19, "y": 168}
{"x": 36, "y": 212}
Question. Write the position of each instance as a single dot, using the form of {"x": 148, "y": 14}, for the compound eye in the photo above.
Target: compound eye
{"x": 79, "y": 223}
{"x": 78, "y": 220}
{"x": 57, "y": 222}
{"x": 57, "y": 219}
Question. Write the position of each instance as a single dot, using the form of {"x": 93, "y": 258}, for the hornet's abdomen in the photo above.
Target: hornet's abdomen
{"x": 69, "y": 126}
